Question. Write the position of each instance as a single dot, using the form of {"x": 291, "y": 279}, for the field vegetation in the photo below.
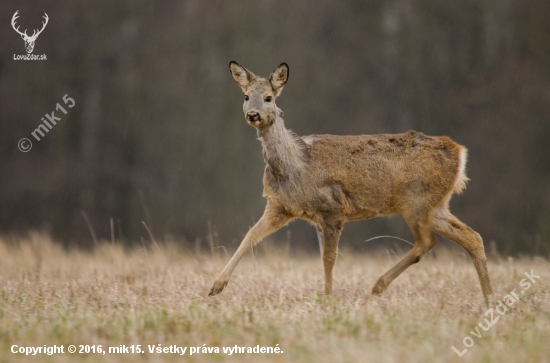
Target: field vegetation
{"x": 153, "y": 295}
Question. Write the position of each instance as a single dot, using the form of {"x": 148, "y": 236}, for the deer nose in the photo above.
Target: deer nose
{"x": 252, "y": 116}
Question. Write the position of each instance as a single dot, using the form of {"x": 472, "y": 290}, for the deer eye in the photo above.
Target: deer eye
{"x": 246, "y": 98}
{"x": 268, "y": 99}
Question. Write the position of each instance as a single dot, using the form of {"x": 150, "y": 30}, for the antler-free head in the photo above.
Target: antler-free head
{"x": 259, "y": 93}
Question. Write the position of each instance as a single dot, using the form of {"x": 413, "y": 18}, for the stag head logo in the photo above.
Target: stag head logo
{"x": 29, "y": 40}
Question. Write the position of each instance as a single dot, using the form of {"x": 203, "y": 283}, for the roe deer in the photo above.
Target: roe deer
{"x": 328, "y": 180}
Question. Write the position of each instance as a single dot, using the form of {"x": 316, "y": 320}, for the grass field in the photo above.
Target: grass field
{"x": 115, "y": 297}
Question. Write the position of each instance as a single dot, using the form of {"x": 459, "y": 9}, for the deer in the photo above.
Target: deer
{"x": 328, "y": 180}
{"x": 29, "y": 40}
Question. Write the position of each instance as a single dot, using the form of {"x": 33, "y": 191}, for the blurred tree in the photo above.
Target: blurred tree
{"x": 157, "y": 133}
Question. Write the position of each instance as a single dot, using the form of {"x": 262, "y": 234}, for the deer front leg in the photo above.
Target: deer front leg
{"x": 331, "y": 237}
{"x": 274, "y": 218}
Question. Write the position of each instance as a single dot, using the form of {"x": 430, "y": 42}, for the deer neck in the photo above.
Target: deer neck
{"x": 284, "y": 152}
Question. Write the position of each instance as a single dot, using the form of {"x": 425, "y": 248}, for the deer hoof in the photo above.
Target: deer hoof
{"x": 379, "y": 288}
{"x": 217, "y": 288}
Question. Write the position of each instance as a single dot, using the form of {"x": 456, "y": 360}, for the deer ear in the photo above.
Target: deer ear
{"x": 279, "y": 77}
{"x": 240, "y": 74}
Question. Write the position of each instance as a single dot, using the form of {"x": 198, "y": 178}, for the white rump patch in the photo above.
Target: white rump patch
{"x": 461, "y": 178}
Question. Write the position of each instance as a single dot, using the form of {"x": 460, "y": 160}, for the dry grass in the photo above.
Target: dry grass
{"x": 112, "y": 297}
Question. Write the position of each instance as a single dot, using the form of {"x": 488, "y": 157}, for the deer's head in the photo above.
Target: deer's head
{"x": 259, "y": 93}
{"x": 29, "y": 40}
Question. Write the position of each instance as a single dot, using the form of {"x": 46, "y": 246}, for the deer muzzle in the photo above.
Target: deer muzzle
{"x": 253, "y": 117}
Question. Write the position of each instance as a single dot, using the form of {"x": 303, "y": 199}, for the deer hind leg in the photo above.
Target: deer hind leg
{"x": 274, "y": 217}
{"x": 331, "y": 237}
{"x": 424, "y": 241}
{"x": 453, "y": 229}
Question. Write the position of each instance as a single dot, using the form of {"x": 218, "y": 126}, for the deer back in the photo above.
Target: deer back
{"x": 369, "y": 175}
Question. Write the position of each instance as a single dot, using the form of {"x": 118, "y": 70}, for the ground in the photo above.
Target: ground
{"x": 117, "y": 297}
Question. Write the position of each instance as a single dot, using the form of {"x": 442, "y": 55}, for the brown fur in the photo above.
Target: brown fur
{"x": 328, "y": 180}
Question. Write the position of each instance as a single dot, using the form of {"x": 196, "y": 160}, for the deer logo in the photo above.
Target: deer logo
{"x": 29, "y": 40}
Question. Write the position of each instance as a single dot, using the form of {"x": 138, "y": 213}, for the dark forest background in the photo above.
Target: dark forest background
{"x": 158, "y": 135}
